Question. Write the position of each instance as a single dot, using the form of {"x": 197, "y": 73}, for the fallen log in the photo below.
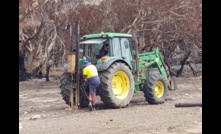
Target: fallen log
{"x": 188, "y": 105}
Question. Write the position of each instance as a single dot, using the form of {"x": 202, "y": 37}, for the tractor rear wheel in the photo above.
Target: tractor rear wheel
{"x": 117, "y": 85}
{"x": 66, "y": 87}
{"x": 155, "y": 89}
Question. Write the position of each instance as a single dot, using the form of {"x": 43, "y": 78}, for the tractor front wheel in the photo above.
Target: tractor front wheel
{"x": 155, "y": 90}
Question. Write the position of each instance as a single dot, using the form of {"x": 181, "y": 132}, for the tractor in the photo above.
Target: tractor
{"x": 123, "y": 72}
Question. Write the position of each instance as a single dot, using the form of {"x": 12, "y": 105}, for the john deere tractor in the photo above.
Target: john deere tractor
{"x": 122, "y": 72}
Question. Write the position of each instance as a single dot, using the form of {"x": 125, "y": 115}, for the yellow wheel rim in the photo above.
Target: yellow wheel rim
{"x": 159, "y": 89}
{"x": 120, "y": 85}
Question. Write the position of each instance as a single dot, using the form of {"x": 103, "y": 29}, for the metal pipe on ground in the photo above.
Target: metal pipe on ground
{"x": 188, "y": 105}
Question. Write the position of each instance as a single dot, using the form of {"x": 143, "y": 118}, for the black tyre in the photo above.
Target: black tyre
{"x": 155, "y": 90}
{"x": 117, "y": 86}
{"x": 66, "y": 87}
{"x": 172, "y": 85}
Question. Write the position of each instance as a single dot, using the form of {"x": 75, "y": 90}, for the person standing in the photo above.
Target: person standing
{"x": 91, "y": 76}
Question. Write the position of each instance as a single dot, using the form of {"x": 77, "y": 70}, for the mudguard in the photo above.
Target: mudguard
{"x": 105, "y": 65}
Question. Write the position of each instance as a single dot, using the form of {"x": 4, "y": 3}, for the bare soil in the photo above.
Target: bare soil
{"x": 42, "y": 111}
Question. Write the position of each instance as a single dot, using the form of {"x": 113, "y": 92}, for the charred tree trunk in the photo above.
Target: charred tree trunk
{"x": 171, "y": 72}
{"x": 48, "y": 73}
{"x": 35, "y": 73}
{"x": 22, "y": 70}
{"x": 40, "y": 75}
{"x": 179, "y": 72}
{"x": 193, "y": 68}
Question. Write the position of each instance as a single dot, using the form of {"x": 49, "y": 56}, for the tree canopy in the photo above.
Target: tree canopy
{"x": 175, "y": 26}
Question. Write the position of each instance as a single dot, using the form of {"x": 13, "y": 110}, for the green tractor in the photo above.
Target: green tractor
{"x": 123, "y": 72}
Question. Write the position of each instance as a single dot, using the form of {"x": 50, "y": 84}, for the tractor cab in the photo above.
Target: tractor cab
{"x": 106, "y": 47}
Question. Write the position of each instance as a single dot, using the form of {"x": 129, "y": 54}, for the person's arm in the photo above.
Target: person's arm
{"x": 105, "y": 52}
{"x": 85, "y": 74}
{"x": 85, "y": 77}
{"x": 101, "y": 52}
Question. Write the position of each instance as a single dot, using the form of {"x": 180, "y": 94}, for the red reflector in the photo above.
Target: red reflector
{"x": 103, "y": 58}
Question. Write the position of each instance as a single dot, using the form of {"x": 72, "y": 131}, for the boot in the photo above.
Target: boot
{"x": 93, "y": 107}
{"x": 90, "y": 106}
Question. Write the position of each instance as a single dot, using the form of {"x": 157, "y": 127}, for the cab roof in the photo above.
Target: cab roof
{"x": 105, "y": 35}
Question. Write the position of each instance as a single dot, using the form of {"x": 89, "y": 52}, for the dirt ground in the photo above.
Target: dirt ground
{"x": 42, "y": 111}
